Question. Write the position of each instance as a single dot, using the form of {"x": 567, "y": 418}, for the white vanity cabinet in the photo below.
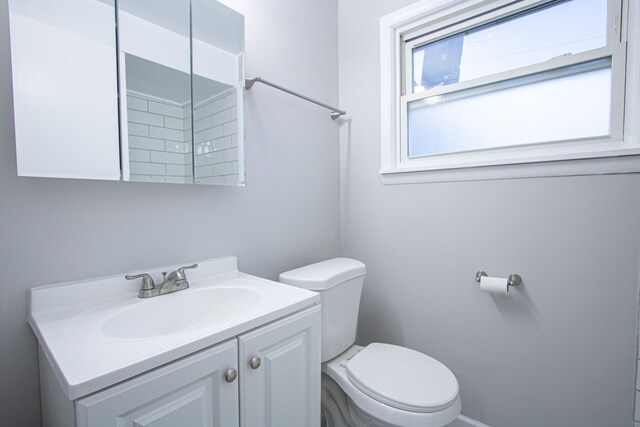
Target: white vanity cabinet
{"x": 190, "y": 392}
{"x": 216, "y": 387}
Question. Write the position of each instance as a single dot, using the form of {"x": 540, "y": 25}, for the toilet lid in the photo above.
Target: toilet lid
{"x": 402, "y": 378}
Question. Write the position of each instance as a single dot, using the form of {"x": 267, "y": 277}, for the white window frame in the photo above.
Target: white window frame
{"x": 434, "y": 19}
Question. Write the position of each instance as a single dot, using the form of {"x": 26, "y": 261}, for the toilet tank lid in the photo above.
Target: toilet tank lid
{"x": 324, "y": 275}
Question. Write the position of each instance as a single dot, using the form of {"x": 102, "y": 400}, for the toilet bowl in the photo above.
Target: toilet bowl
{"x": 379, "y": 385}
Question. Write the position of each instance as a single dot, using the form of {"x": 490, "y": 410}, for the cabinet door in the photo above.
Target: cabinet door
{"x": 284, "y": 390}
{"x": 65, "y": 92}
{"x": 190, "y": 392}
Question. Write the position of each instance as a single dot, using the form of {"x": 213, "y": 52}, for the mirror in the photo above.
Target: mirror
{"x": 218, "y": 93}
{"x": 155, "y": 85}
{"x": 181, "y": 68}
{"x": 179, "y": 73}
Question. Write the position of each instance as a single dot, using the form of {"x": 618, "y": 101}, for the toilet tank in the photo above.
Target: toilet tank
{"x": 339, "y": 283}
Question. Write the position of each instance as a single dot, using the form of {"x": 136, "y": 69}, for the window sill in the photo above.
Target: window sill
{"x": 578, "y": 167}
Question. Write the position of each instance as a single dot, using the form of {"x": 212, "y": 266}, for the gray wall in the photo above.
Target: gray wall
{"x": 560, "y": 350}
{"x": 54, "y": 230}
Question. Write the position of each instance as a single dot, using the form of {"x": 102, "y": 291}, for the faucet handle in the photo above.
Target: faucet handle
{"x": 182, "y": 269}
{"x": 147, "y": 281}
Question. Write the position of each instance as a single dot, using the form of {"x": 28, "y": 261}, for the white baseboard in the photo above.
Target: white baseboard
{"x": 463, "y": 421}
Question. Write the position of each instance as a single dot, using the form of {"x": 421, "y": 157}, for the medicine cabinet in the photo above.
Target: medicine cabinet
{"x": 151, "y": 91}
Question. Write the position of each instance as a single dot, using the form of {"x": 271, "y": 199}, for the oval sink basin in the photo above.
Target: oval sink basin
{"x": 174, "y": 313}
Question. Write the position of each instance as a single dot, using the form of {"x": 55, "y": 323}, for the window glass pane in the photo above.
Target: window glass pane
{"x": 568, "y": 27}
{"x": 513, "y": 113}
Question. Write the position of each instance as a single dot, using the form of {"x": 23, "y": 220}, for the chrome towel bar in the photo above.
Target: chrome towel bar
{"x": 335, "y": 112}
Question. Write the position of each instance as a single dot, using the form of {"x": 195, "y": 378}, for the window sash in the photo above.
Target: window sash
{"x": 488, "y": 11}
{"x": 485, "y": 13}
{"x": 613, "y": 52}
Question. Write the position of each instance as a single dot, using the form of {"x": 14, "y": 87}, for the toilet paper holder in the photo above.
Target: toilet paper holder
{"x": 512, "y": 280}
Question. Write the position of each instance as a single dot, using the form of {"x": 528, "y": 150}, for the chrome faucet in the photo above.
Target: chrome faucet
{"x": 173, "y": 282}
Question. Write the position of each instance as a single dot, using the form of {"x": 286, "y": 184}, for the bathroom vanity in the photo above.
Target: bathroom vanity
{"x": 231, "y": 350}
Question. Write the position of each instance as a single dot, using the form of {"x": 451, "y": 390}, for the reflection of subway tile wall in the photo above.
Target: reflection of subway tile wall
{"x": 216, "y": 139}
{"x": 159, "y": 139}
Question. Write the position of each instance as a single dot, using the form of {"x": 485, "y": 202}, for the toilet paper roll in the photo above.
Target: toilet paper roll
{"x": 494, "y": 285}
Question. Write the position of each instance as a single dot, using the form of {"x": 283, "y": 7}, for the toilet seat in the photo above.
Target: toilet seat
{"x": 381, "y": 413}
{"x": 402, "y": 378}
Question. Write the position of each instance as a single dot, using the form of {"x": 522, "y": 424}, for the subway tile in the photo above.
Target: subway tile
{"x": 231, "y": 128}
{"x": 222, "y": 169}
{"x": 216, "y": 157}
{"x": 201, "y": 137}
{"x": 186, "y": 135}
{"x": 231, "y": 179}
{"x": 165, "y": 109}
{"x": 210, "y": 180}
{"x": 137, "y": 129}
{"x": 141, "y": 117}
{"x": 176, "y": 180}
{"x": 202, "y": 124}
{"x": 200, "y": 113}
{"x": 169, "y": 158}
{"x": 176, "y": 170}
{"x": 230, "y": 100}
{"x": 186, "y": 123}
{"x": 139, "y": 178}
{"x": 164, "y": 133}
{"x": 222, "y": 143}
{"x": 230, "y": 155}
{"x": 145, "y": 143}
{"x": 233, "y": 113}
{"x": 208, "y": 159}
{"x": 135, "y": 103}
{"x": 204, "y": 148}
{"x": 136, "y": 155}
{"x": 177, "y": 147}
{"x": 215, "y": 132}
{"x": 220, "y": 118}
{"x": 140, "y": 168}
{"x": 234, "y": 167}
{"x": 173, "y": 123}
{"x": 157, "y": 178}
{"x": 204, "y": 171}
{"x": 213, "y": 107}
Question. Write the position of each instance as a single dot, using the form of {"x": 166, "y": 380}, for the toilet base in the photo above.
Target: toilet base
{"x": 335, "y": 404}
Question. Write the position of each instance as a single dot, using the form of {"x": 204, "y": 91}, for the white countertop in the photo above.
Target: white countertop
{"x": 72, "y": 321}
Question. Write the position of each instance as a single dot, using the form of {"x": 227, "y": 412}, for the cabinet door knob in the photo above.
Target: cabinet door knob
{"x": 255, "y": 362}
{"x": 231, "y": 375}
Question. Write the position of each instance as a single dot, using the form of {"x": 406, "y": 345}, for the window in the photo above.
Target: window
{"x": 481, "y": 83}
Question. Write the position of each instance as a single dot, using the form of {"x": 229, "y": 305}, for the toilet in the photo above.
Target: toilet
{"x": 379, "y": 385}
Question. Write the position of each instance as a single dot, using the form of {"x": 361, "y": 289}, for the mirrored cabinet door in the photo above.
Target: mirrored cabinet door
{"x": 64, "y": 88}
{"x": 154, "y": 59}
{"x": 218, "y": 93}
